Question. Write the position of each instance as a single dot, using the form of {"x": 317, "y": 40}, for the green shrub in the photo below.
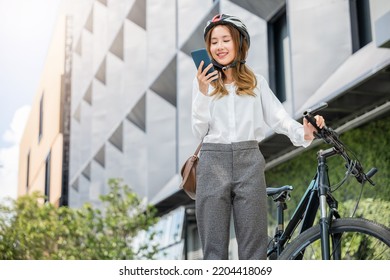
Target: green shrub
{"x": 31, "y": 230}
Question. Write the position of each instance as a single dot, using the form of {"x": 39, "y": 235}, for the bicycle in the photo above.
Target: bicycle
{"x": 332, "y": 237}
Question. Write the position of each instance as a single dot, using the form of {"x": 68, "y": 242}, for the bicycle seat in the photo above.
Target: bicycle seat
{"x": 273, "y": 191}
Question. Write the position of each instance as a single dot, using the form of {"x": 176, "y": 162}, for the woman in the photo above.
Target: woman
{"x": 231, "y": 110}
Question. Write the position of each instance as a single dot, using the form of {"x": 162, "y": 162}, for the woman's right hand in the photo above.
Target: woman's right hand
{"x": 205, "y": 79}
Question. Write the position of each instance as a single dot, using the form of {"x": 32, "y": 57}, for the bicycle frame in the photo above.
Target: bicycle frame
{"x": 317, "y": 197}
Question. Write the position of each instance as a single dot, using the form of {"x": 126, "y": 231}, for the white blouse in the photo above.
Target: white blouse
{"x": 235, "y": 118}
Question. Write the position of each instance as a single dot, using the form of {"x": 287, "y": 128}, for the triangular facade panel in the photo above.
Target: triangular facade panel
{"x": 165, "y": 84}
{"x": 117, "y": 45}
{"x": 116, "y": 138}
{"x": 75, "y": 185}
{"x": 138, "y": 114}
{"x": 77, "y": 113}
{"x": 196, "y": 40}
{"x": 88, "y": 95}
{"x": 137, "y": 13}
{"x": 100, "y": 156}
{"x": 89, "y": 23}
{"x": 87, "y": 172}
{"x": 104, "y": 2}
{"x": 264, "y": 9}
{"x": 78, "y": 48}
{"x": 101, "y": 73}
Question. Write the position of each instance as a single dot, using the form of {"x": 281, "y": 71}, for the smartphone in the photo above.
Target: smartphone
{"x": 198, "y": 56}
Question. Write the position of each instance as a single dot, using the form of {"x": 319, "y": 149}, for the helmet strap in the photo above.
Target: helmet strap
{"x": 221, "y": 67}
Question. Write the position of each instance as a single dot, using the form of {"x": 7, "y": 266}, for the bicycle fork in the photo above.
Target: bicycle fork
{"x": 323, "y": 189}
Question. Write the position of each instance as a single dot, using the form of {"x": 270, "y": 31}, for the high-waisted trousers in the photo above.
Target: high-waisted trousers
{"x": 230, "y": 179}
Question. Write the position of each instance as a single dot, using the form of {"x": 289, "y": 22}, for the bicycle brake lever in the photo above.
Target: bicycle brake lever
{"x": 362, "y": 177}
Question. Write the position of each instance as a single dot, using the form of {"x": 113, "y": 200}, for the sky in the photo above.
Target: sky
{"x": 26, "y": 28}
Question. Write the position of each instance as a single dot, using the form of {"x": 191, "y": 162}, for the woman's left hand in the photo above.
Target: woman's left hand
{"x": 309, "y": 129}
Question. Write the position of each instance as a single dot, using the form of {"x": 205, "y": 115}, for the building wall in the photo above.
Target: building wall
{"x": 132, "y": 76}
{"x": 131, "y": 84}
{"x": 379, "y": 8}
{"x": 380, "y": 14}
{"x": 131, "y": 90}
{"x": 318, "y": 33}
{"x": 133, "y": 73}
{"x": 49, "y": 88}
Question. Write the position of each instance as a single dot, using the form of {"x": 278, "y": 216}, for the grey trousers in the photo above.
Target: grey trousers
{"x": 230, "y": 177}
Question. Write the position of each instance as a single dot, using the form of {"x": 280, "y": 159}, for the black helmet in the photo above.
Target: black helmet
{"x": 231, "y": 20}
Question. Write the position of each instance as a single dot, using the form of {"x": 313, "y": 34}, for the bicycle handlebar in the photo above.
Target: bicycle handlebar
{"x": 331, "y": 137}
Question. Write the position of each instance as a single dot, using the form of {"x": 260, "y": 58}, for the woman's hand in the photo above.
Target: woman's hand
{"x": 205, "y": 79}
{"x": 309, "y": 129}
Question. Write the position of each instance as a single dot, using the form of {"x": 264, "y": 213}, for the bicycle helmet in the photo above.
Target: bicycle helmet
{"x": 231, "y": 20}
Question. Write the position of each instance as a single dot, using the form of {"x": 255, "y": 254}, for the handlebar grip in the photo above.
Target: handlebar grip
{"x": 310, "y": 118}
{"x": 325, "y": 133}
{"x": 371, "y": 172}
{"x": 361, "y": 177}
{"x": 308, "y": 114}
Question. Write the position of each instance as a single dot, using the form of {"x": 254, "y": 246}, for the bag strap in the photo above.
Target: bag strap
{"x": 200, "y": 144}
{"x": 198, "y": 148}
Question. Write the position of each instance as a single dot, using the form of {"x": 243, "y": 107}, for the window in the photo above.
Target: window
{"x": 28, "y": 172}
{"x": 360, "y": 23}
{"x": 278, "y": 49}
{"x": 47, "y": 177}
{"x": 40, "y": 119}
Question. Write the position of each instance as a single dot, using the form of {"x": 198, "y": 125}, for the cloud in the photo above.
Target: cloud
{"x": 9, "y": 156}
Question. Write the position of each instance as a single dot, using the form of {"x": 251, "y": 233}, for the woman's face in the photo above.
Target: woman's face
{"x": 221, "y": 45}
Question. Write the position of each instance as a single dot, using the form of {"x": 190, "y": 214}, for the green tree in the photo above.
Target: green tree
{"x": 32, "y": 230}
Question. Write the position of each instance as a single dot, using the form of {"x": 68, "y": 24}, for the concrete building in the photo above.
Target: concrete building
{"x": 131, "y": 80}
{"x": 44, "y": 147}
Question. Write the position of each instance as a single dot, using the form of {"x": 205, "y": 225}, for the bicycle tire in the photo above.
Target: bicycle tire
{"x": 356, "y": 233}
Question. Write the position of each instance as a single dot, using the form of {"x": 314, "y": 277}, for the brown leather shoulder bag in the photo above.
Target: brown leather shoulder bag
{"x": 188, "y": 174}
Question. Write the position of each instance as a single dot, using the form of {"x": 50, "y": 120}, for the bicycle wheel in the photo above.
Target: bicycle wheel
{"x": 350, "y": 239}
